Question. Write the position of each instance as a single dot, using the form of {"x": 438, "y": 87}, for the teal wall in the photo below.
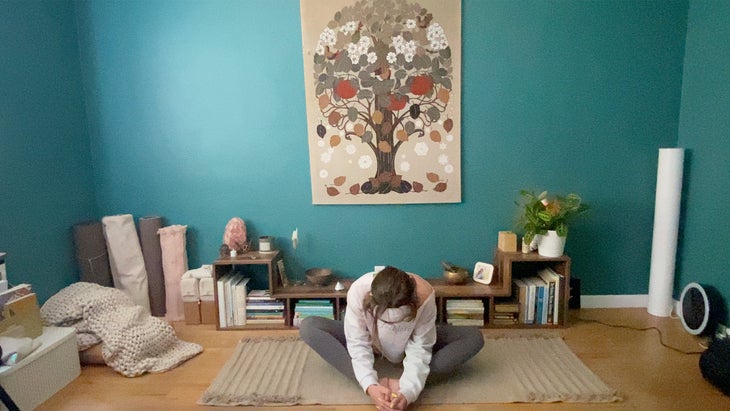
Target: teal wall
{"x": 703, "y": 131}
{"x": 196, "y": 112}
{"x": 46, "y": 182}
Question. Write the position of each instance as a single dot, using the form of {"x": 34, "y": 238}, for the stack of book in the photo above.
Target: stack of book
{"x": 539, "y": 297}
{"x": 506, "y": 311}
{"x": 261, "y": 308}
{"x": 309, "y": 308}
{"x": 465, "y": 312}
{"x": 232, "y": 291}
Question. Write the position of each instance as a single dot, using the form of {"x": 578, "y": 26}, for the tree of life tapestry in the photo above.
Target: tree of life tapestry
{"x": 383, "y": 97}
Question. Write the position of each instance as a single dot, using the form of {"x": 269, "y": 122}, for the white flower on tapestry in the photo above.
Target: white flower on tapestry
{"x": 323, "y": 173}
{"x": 448, "y": 169}
{"x": 365, "y": 162}
{"x": 349, "y": 27}
{"x": 421, "y": 148}
{"x": 383, "y": 75}
{"x": 435, "y": 34}
{"x": 327, "y": 39}
{"x": 326, "y": 157}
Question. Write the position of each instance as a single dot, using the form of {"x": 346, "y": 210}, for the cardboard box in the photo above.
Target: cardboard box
{"x": 192, "y": 312}
{"x": 45, "y": 371}
{"x": 507, "y": 241}
{"x": 208, "y": 314}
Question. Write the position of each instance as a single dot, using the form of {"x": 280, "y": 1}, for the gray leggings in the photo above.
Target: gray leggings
{"x": 454, "y": 345}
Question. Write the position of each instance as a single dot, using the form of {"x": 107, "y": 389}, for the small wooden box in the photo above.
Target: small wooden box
{"x": 507, "y": 241}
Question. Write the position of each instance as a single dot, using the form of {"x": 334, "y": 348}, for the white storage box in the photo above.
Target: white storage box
{"x": 45, "y": 371}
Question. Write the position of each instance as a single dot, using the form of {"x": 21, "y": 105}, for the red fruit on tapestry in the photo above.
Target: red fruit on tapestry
{"x": 421, "y": 85}
{"x": 345, "y": 89}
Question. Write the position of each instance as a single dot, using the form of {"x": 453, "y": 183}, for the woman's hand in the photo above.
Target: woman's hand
{"x": 385, "y": 399}
{"x": 398, "y": 401}
{"x": 381, "y": 396}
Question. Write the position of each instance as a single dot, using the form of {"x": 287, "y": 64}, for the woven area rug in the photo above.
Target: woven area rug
{"x": 285, "y": 371}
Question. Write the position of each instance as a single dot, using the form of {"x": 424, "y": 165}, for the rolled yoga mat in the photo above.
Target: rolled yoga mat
{"x": 152, "y": 253}
{"x": 174, "y": 265}
{"x": 125, "y": 258}
{"x": 91, "y": 254}
{"x": 666, "y": 230}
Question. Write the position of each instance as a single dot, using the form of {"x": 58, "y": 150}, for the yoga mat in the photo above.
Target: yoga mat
{"x": 152, "y": 253}
{"x": 125, "y": 258}
{"x": 174, "y": 265}
{"x": 666, "y": 227}
{"x": 91, "y": 255}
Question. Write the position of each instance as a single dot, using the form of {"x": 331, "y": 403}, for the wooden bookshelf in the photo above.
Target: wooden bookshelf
{"x": 511, "y": 265}
{"x": 508, "y": 265}
{"x": 269, "y": 260}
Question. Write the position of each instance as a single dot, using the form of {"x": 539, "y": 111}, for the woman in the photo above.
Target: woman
{"x": 391, "y": 313}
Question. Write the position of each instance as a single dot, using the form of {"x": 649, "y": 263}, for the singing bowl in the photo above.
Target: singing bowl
{"x": 319, "y": 276}
{"x": 457, "y": 276}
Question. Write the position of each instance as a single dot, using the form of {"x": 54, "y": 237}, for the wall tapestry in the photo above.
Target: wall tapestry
{"x": 383, "y": 96}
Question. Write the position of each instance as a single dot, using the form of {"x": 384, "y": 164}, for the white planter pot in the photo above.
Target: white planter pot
{"x": 550, "y": 244}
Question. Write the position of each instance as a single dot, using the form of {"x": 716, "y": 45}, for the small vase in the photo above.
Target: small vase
{"x": 550, "y": 244}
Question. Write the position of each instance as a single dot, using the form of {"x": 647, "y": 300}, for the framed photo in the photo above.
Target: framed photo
{"x": 282, "y": 273}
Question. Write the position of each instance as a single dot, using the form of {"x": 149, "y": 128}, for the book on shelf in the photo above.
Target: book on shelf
{"x": 504, "y": 321}
{"x": 531, "y": 289}
{"x": 263, "y": 295}
{"x": 232, "y": 289}
{"x": 465, "y": 322}
{"x": 274, "y": 321}
{"x": 546, "y": 301}
{"x": 556, "y": 283}
{"x": 261, "y": 308}
{"x": 312, "y": 307}
{"x": 240, "y": 289}
{"x": 519, "y": 289}
{"x": 506, "y": 305}
{"x": 465, "y": 312}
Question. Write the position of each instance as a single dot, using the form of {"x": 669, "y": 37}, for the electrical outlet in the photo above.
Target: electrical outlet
{"x": 722, "y": 332}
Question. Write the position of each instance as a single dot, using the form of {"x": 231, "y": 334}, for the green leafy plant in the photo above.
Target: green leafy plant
{"x": 543, "y": 212}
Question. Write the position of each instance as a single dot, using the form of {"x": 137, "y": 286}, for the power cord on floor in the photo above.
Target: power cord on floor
{"x": 661, "y": 336}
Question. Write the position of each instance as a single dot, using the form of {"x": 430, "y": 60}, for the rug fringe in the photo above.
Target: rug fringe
{"x": 284, "y": 338}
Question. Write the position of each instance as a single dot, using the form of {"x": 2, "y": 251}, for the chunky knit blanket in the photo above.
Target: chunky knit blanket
{"x": 133, "y": 342}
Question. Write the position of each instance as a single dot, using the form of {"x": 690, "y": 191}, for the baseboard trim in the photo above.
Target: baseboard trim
{"x": 614, "y": 301}
{"x": 620, "y": 301}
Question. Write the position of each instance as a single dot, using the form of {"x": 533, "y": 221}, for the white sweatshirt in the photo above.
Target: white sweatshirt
{"x": 409, "y": 341}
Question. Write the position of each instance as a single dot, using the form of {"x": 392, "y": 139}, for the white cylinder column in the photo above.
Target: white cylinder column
{"x": 666, "y": 228}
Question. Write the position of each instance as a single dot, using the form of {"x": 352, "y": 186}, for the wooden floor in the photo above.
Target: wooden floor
{"x": 646, "y": 374}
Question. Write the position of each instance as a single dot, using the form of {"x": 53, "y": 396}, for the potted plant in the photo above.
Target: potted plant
{"x": 546, "y": 218}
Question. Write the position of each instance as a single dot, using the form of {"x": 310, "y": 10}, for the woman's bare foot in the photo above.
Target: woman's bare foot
{"x": 394, "y": 384}
{"x": 385, "y": 382}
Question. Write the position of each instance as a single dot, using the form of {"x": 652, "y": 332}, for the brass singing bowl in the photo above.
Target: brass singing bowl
{"x": 319, "y": 276}
{"x": 457, "y": 276}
